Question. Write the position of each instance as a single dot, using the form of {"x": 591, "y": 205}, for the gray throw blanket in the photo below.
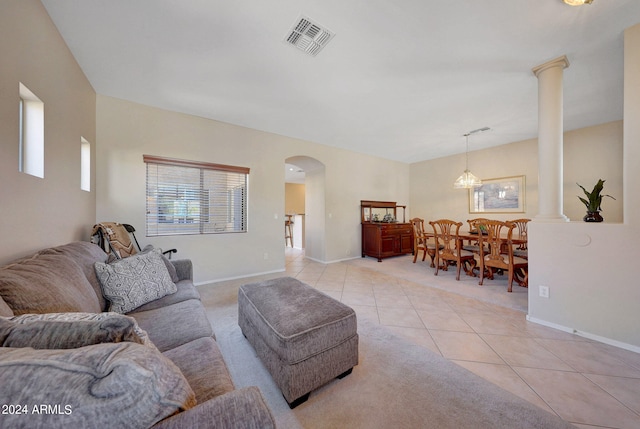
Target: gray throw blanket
{"x": 59, "y": 334}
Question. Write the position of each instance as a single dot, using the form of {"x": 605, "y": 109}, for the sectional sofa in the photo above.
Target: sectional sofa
{"x": 144, "y": 357}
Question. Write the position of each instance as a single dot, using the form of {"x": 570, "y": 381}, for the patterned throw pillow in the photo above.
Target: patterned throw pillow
{"x": 131, "y": 282}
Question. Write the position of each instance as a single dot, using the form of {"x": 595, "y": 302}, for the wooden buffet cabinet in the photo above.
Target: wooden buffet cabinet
{"x": 382, "y": 234}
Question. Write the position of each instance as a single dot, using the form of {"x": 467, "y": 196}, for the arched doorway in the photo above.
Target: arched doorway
{"x": 309, "y": 172}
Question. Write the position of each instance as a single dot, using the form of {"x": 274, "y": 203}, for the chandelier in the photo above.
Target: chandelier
{"x": 468, "y": 180}
{"x": 577, "y": 2}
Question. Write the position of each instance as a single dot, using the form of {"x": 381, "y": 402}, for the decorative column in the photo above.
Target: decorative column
{"x": 550, "y": 140}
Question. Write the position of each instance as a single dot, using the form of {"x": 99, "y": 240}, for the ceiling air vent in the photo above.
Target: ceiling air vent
{"x": 308, "y": 36}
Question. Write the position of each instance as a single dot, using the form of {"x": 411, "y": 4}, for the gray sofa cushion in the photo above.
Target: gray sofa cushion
{"x": 184, "y": 268}
{"x": 66, "y": 335}
{"x": 170, "y": 267}
{"x": 123, "y": 385}
{"x": 47, "y": 283}
{"x": 85, "y": 255}
{"x": 185, "y": 290}
{"x": 5, "y": 310}
{"x": 175, "y": 325}
{"x": 131, "y": 282}
{"x": 203, "y": 366}
{"x": 243, "y": 408}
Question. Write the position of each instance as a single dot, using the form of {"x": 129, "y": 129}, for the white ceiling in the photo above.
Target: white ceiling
{"x": 402, "y": 80}
{"x": 293, "y": 174}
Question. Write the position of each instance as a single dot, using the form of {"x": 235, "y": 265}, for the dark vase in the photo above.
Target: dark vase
{"x": 593, "y": 217}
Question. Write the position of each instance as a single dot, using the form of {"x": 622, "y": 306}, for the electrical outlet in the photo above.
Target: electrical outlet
{"x": 544, "y": 291}
{"x": 266, "y": 256}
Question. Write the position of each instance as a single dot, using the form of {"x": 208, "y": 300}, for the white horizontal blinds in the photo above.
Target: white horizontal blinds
{"x": 190, "y": 197}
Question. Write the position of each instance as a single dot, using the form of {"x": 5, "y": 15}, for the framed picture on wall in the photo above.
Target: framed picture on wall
{"x": 502, "y": 195}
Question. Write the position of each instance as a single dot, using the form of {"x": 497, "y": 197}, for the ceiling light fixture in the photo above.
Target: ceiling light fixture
{"x": 577, "y": 2}
{"x": 468, "y": 180}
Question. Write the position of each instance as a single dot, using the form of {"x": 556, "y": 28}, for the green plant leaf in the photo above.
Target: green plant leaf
{"x": 594, "y": 197}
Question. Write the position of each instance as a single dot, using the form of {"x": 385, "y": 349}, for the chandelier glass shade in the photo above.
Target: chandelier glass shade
{"x": 577, "y": 2}
{"x": 467, "y": 180}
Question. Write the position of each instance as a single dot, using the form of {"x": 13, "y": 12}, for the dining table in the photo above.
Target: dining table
{"x": 473, "y": 236}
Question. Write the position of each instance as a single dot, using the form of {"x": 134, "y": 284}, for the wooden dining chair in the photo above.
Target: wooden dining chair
{"x": 521, "y": 250}
{"x": 449, "y": 247}
{"x": 492, "y": 258}
{"x": 422, "y": 243}
{"x": 473, "y": 245}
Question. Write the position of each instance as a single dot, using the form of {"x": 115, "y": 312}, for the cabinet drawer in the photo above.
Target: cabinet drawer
{"x": 396, "y": 229}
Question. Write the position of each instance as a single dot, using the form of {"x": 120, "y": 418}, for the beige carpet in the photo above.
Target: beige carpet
{"x": 396, "y": 384}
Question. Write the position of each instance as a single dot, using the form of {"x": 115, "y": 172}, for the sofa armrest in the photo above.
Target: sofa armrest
{"x": 184, "y": 268}
{"x": 240, "y": 408}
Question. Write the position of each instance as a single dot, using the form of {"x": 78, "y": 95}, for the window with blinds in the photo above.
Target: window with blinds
{"x": 192, "y": 197}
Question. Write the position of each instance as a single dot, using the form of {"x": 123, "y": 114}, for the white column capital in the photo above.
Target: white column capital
{"x": 562, "y": 62}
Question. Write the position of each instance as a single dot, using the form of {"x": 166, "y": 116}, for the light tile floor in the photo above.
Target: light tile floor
{"x": 483, "y": 329}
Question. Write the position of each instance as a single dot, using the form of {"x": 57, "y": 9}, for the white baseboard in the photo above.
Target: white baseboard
{"x": 588, "y": 335}
{"x": 244, "y": 276}
{"x": 333, "y": 261}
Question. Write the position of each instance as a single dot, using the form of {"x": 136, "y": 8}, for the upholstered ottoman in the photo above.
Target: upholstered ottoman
{"x": 304, "y": 337}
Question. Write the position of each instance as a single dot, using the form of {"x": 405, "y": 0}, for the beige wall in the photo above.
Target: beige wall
{"x": 594, "y": 291}
{"x": 35, "y": 212}
{"x": 589, "y": 154}
{"x": 293, "y": 198}
{"x": 126, "y": 131}
{"x": 432, "y": 193}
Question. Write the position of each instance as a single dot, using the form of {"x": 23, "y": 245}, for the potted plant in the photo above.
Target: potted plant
{"x": 593, "y": 202}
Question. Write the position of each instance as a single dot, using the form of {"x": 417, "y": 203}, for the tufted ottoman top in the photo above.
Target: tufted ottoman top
{"x": 295, "y": 320}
